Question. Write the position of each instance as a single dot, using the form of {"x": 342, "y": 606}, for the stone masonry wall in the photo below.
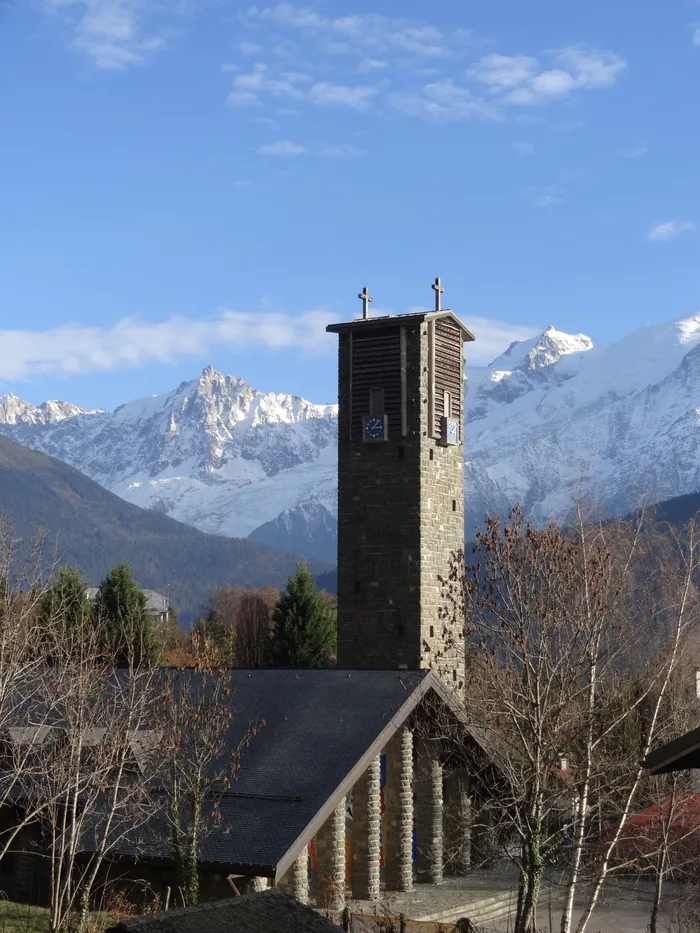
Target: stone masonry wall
{"x": 366, "y": 816}
{"x": 379, "y": 528}
{"x": 400, "y": 518}
{"x": 398, "y": 817}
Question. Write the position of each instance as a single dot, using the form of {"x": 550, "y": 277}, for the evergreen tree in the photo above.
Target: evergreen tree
{"x": 64, "y": 611}
{"x": 304, "y": 629}
{"x": 121, "y": 610}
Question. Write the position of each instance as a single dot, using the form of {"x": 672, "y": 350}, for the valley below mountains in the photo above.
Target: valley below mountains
{"x": 553, "y": 420}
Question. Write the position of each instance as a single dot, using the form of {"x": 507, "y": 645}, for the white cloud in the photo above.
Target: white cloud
{"x": 524, "y": 149}
{"x": 284, "y": 149}
{"x": 519, "y": 79}
{"x": 130, "y": 343}
{"x": 502, "y": 72}
{"x": 636, "y": 152}
{"x": 341, "y": 152}
{"x": 443, "y": 102}
{"x": 248, "y": 88}
{"x": 250, "y": 48}
{"x": 335, "y": 49}
{"x": 696, "y": 36}
{"x": 337, "y": 95}
{"x": 421, "y": 40}
{"x": 372, "y": 64}
{"x": 72, "y": 349}
{"x": 111, "y": 33}
{"x": 554, "y": 194}
{"x": 668, "y": 229}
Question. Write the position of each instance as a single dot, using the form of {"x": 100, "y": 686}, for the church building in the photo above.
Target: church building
{"x": 369, "y": 775}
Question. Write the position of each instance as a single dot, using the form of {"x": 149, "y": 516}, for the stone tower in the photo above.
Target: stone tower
{"x": 400, "y": 486}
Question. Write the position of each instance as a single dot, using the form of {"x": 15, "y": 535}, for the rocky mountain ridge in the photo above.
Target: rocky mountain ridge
{"x": 553, "y": 419}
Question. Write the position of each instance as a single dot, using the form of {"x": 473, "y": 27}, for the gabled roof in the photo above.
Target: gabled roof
{"x": 321, "y": 730}
{"x": 415, "y": 317}
{"x": 267, "y": 912}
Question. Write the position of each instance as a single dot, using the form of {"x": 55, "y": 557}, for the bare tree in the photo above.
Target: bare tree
{"x": 554, "y": 626}
{"x": 200, "y": 760}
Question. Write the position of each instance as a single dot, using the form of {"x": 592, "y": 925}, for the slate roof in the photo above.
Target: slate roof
{"x": 681, "y": 753}
{"x": 267, "y": 912}
{"x": 319, "y": 726}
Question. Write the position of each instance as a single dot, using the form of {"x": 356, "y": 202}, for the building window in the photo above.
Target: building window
{"x": 432, "y": 453}
{"x": 357, "y": 586}
{"x": 376, "y": 402}
{"x": 454, "y": 505}
{"x": 402, "y": 453}
{"x": 447, "y": 404}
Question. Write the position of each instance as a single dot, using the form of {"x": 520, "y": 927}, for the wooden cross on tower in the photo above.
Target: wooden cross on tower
{"x": 438, "y": 289}
{"x": 365, "y": 297}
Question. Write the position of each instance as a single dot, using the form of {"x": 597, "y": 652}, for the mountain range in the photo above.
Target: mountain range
{"x": 553, "y": 420}
{"x": 87, "y": 526}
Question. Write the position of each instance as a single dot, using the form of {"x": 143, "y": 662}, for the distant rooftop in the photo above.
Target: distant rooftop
{"x": 267, "y": 912}
{"x": 155, "y": 602}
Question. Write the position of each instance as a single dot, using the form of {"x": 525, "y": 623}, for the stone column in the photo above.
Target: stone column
{"x": 365, "y": 835}
{"x": 296, "y": 879}
{"x": 330, "y": 859}
{"x": 458, "y": 823}
{"x": 398, "y": 818}
{"x": 429, "y": 813}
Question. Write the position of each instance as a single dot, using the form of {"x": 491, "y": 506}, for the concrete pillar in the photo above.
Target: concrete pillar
{"x": 398, "y": 817}
{"x": 296, "y": 879}
{"x": 365, "y": 835}
{"x": 429, "y": 813}
{"x": 458, "y": 824}
{"x": 330, "y": 859}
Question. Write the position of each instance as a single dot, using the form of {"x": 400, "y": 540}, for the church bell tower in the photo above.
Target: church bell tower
{"x": 400, "y": 486}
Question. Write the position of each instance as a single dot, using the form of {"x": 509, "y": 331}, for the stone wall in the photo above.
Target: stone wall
{"x": 400, "y": 518}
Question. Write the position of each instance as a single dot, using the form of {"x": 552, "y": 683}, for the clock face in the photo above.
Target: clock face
{"x": 452, "y": 431}
{"x": 374, "y": 429}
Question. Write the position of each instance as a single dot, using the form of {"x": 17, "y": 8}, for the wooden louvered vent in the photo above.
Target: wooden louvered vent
{"x": 376, "y": 364}
{"x": 448, "y": 373}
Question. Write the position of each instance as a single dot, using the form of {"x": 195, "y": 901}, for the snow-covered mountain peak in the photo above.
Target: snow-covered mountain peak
{"x": 543, "y": 350}
{"x": 14, "y": 410}
{"x": 552, "y": 418}
{"x": 689, "y": 329}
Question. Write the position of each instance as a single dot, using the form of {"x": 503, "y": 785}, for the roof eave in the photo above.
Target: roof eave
{"x": 670, "y": 757}
{"x": 399, "y": 319}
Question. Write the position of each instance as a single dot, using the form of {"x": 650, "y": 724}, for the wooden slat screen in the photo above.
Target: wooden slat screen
{"x": 448, "y": 371}
{"x": 376, "y": 364}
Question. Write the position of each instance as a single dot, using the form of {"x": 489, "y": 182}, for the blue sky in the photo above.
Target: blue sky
{"x": 185, "y": 182}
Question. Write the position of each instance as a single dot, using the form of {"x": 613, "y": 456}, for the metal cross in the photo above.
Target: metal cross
{"x": 365, "y": 297}
{"x": 438, "y": 289}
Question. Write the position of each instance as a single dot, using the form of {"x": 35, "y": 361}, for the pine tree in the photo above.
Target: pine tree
{"x": 64, "y": 611}
{"x": 304, "y": 630}
{"x": 121, "y": 609}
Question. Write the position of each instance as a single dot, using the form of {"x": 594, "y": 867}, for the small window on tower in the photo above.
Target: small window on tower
{"x": 447, "y": 404}
{"x": 376, "y": 402}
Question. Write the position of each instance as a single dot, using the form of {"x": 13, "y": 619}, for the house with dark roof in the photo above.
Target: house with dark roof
{"x": 340, "y": 789}
{"x": 370, "y": 774}
{"x": 267, "y": 912}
